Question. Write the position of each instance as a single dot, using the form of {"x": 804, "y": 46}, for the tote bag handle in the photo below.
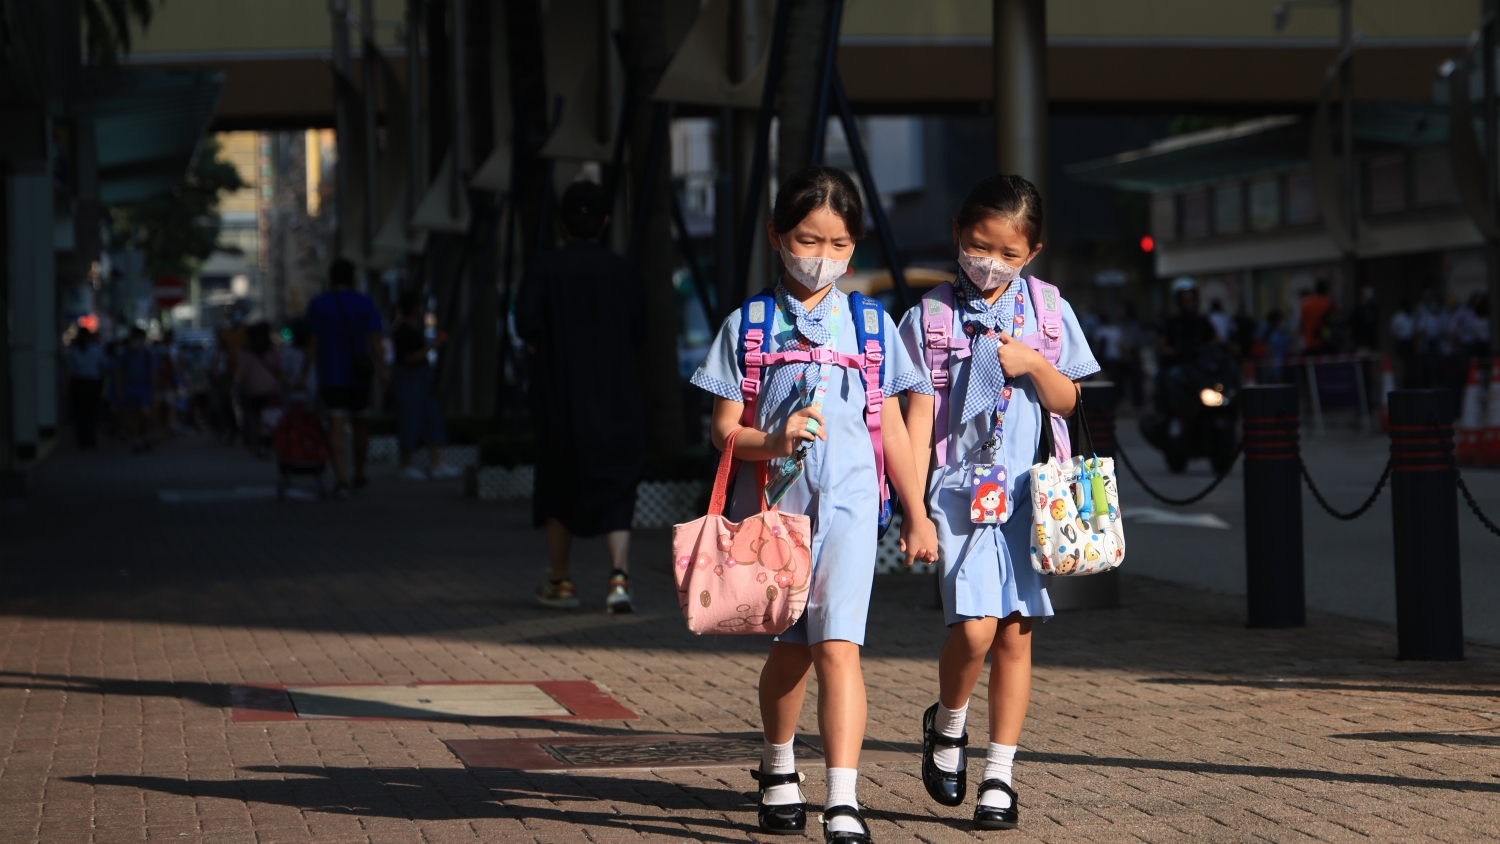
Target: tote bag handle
{"x": 727, "y": 464}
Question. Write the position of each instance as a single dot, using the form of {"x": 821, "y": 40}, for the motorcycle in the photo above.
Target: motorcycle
{"x": 1196, "y": 413}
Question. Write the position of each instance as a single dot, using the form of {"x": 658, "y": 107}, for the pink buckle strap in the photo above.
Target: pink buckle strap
{"x": 874, "y": 404}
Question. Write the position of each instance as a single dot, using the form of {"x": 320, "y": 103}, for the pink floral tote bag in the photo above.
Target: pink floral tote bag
{"x": 745, "y": 577}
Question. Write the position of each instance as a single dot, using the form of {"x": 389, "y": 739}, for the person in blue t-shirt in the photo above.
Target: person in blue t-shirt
{"x": 345, "y": 345}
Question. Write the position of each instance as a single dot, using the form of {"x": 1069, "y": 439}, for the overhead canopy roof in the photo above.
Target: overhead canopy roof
{"x": 147, "y": 125}
{"x": 1264, "y": 145}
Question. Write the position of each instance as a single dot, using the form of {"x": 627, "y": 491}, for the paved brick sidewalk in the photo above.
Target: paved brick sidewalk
{"x": 124, "y": 619}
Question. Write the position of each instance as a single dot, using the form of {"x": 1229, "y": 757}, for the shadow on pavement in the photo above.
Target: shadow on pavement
{"x": 451, "y": 794}
{"x": 1321, "y": 686}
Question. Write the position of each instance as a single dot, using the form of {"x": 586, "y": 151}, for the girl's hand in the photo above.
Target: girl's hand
{"x": 918, "y": 538}
{"x": 796, "y": 432}
{"x": 1017, "y": 358}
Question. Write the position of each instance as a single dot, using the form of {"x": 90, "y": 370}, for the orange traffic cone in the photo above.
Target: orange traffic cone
{"x": 1489, "y": 443}
{"x": 1387, "y": 386}
{"x": 1471, "y": 422}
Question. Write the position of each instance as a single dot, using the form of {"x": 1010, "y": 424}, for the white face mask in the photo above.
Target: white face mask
{"x": 985, "y": 272}
{"x": 813, "y": 273}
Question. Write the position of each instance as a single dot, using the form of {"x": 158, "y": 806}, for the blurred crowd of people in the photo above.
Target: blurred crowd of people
{"x": 236, "y": 383}
{"x": 1432, "y": 342}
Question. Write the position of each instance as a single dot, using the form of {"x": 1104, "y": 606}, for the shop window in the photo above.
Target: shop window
{"x": 1301, "y": 202}
{"x": 1164, "y": 217}
{"x": 1265, "y": 204}
{"x": 1432, "y": 178}
{"x": 1195, "y": 220}
{"x": 1229, "y": 209}
{"x": 1386, "y": 182}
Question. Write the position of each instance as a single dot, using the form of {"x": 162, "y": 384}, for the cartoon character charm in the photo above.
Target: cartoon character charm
{"x": 989, "y": 504}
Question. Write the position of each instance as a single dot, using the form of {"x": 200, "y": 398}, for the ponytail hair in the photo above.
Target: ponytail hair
{"x": 1011, "y": 198}
{"x": 811, "y": 188}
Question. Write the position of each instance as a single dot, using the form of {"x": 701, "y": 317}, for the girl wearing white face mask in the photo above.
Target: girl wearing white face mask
{"x": 821, "y": 408}
{"x": 984, "y": 435}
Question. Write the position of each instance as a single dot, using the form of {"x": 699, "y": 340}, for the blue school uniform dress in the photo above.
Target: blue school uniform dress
{"x": 987, "y": 568}
{"x": 838, "y": 487}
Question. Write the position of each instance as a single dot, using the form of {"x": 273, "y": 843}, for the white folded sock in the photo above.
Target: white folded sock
{"x": 999, "y": 762}
{"x": 950, "y": 723}
{"x": 842, "y": 783}
{"x": 779, "y": 759}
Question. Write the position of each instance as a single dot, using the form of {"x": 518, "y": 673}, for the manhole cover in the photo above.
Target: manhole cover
{"x": 423, "y": 701}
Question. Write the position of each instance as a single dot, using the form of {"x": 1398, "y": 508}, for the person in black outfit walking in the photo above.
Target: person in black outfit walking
{"x": 581, "y": 312}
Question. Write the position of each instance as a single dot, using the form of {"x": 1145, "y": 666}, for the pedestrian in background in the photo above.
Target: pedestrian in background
{"x": 258, "y": 383}
{"x": 136, "y": 377}
{"x": 1313, "y": 314}
{"x": 345, "y": 348}
{"x": 419, "y": 419}
{"x": 581, "y": 310}
{"x": 86, "y": 368}
{"x": 1404, "y": 336}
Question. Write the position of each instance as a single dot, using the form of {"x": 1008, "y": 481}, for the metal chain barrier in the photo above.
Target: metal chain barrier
{"x": 1356, "y": 512}
{"x": 1179, "y": 502}
{"x": 1474, "y": 505}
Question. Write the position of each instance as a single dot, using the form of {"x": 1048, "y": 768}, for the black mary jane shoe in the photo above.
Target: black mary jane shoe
{"x": 831, "y": 837}
{"x": 988, "y": 817}
{"x": 946, "y": 787}
{"x": 783, "y": 819}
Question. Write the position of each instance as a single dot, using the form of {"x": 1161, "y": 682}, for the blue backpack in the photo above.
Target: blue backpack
{"x": 757, "y": 317}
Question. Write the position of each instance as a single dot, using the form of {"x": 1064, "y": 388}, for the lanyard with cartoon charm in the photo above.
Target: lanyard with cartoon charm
{"x": 790, "y": 471}
{"x": 989, "y": 503}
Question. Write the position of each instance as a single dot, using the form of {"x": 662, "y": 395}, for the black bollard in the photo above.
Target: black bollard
{"x": 1273, "y": 507}
{"x": 1424, "y": 510}
{"x": 1096, "y": 591}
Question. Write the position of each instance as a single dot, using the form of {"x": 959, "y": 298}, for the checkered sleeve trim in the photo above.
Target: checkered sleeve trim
{"x": 1079, "y": 371}
{"x": 914, "y": 381}
{"x": 723, "y": 390}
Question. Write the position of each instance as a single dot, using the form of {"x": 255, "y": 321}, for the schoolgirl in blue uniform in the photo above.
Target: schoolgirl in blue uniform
{"x": 999, "y": 392}
{"x": 822, "y": 407}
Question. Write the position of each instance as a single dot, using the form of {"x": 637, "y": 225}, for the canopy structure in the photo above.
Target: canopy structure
{"x": 1264, "y": 145}
{"x": 147, "y": 126}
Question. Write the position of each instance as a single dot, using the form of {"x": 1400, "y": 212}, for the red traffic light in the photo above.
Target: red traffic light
{"x": 1148, "y": 243}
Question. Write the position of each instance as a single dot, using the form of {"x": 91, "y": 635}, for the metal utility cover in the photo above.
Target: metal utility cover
{"x": 519, "y": 700}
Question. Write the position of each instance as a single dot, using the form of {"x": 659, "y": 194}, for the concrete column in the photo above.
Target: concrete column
{"x": 749, "y": 34}
{"x": 29, "y": 201}
{"x": 1020, "y": 73}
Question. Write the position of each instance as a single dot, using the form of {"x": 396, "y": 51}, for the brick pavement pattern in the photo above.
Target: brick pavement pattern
{"x": 123, "y": 621}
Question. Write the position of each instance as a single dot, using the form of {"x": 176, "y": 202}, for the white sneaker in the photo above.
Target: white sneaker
{"x": 412, "y": 473}
{"x": 445, "y": 471}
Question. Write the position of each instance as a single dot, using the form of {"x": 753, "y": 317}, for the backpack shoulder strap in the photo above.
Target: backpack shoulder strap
{"x": 869, "y": 334}
{"x": 757, "y": 315}
{"x": 1047, "y": 303}
{"x": 942, "y": 346}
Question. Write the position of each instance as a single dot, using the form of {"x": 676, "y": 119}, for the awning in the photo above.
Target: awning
{"x": 1264, "y": 145}
{"x": 147, "y": 125}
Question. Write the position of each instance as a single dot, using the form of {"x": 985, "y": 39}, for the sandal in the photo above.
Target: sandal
{"x": 831, "y": 837}
{"x": 989, "y": 817}
{"x": 946, "y": 787}
{"x": 783, "y": 818}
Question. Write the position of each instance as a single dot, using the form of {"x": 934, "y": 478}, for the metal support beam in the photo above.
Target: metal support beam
{"x": 877, "y": 211}
{"x": 758, "y": 165}
{"x": 1491, "y": 33}
{"x": 825, "y": 77}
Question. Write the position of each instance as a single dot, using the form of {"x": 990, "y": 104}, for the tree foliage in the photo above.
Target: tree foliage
{"x": 177, "y": 231}
{"x": 107, "y": 26}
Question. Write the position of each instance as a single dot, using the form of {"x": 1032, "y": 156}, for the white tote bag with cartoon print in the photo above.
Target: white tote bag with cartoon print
{"x": 1075, "y": 514}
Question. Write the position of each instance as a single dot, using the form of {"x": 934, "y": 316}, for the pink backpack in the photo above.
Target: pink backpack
{"x": 944, "y": 347}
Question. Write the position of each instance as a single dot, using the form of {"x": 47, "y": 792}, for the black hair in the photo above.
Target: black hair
{"x": 811, "y": 188}
{"x": 410, "y": 302}
{"x": 583, "y": 208}
{"x": 341, "y": 273}
{"x": 1011, "y": 198}
{"x": 258, "y": 337}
